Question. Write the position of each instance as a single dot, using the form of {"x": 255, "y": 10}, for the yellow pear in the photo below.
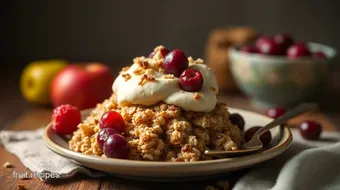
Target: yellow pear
{"x": 36, "y": 80}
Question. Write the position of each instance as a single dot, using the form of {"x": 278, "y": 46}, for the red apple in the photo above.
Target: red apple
{"x": 82, "y": 85}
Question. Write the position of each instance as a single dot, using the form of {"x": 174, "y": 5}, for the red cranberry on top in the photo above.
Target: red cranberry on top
{"x": 191, "y": 80}
{"x": 175, "y": 62}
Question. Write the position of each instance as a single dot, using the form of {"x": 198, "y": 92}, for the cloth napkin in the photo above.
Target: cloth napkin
{"x": 29, "y": 147}
{"x": 305, "y": 165}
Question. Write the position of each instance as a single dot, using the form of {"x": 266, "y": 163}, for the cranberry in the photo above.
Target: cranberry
{"x": 310, "y": 130}
{"x": 164, "y": 52}
{"x": 267, "y": 45}
{"x": 319, "y": 55}
{"x": 104, "y": 134}
{"x": 175, "y": 62}
{"x": 265, "y": 137}
{"x": 237, "y": 119}
{"x": 284, "y": 40}
{"x": 116, "y": 146}
{"x": 191, "y": 80}
{"x": 298, "y": 50}
{"x": 275, "y": 112}
{"x": 248, "y": 49}
{"x": 112, "y": 119}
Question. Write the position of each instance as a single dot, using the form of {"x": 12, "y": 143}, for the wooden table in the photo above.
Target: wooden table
{"x": 18, "y": 115}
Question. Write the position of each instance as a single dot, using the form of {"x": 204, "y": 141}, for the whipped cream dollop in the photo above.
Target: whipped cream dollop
{"x": 146, "y": 83}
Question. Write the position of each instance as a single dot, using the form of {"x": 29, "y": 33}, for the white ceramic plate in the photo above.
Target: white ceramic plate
{"x": 170, "y": 171}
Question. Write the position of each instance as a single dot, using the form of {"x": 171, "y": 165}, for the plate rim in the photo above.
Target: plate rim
{"x": 283, "y": 145}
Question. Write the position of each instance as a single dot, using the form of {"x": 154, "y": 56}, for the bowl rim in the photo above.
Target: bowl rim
{"x": 280, "y": 59}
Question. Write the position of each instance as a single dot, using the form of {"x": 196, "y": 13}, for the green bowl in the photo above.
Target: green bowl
{"x": 276, "y": 81}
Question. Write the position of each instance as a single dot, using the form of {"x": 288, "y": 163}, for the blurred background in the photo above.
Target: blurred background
{"x": 117, "y": 31}
{"x": 114, "y": 32}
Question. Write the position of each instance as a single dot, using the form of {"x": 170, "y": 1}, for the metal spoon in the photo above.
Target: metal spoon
{"x": 255, "y": 144}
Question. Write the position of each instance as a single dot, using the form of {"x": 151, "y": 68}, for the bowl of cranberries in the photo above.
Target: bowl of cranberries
{"x": 280, "y": 71}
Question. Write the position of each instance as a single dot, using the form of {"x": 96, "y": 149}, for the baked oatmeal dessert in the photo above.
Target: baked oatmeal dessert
{"x": 163, "y": 108}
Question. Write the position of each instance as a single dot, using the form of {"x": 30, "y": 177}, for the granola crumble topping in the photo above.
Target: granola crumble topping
{"x": 169, "y": 76}
{"x": 126, "y": 76}
{"x": 213, "y": 89}
{"x": 143, "y": 64}
{"x": 197, "y": 96}
{"x": 138, "y": 71}
{"x": 146, "y": 78}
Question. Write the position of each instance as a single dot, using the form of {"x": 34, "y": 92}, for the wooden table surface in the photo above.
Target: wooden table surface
{"x": 16, "y": 114}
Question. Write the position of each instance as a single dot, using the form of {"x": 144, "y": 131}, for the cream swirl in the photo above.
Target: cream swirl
{"x": 150, "y": 85}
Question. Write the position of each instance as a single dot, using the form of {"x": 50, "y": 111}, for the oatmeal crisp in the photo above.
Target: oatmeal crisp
{"x": 163, "y": 122}
{"x": 162, "y": 132}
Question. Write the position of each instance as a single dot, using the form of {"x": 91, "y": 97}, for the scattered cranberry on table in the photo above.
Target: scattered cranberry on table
{"x": 267, "y": 45}
{"x": 112, "y": 119}
{"x": 319, "y": 55}
{"x": 65, "y": 119}
{"x": 275, "y": 112}
{"x": 265, "y": 137}
{"x": 175, "y": 62}
{"x": 104, "y": 134}
{"x": 191, "y": 80}
{"x": 237, "y": 119}
{"x": 164, "y": 52}
{"x": 298, "y": 50}
{"x": 116, "y": 146}
{"x": 310, "y": 130}
{"x": 248, "y": 49}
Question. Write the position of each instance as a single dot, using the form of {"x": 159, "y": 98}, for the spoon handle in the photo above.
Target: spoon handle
{"x": 300, "y": 109}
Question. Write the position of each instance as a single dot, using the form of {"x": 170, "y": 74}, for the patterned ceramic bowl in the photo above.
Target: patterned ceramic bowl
{"x": 275, "y": 81}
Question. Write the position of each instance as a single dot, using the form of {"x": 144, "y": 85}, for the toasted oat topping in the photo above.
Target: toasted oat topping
{"x": 169, "y": 76}
{"x": 197, "y": 96}
{"x": 138, "y": 71}
{"x": 148, "y": 71}
{"x": 146, "y": 78}
{"x": 158, "y": 64}
{"x": 138, "y": 59}
{"x": 143, "y": 63}
{"x": 158, "y": 48}
{"x": 126, "y": 76}
{"x": 7, "y": 165}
